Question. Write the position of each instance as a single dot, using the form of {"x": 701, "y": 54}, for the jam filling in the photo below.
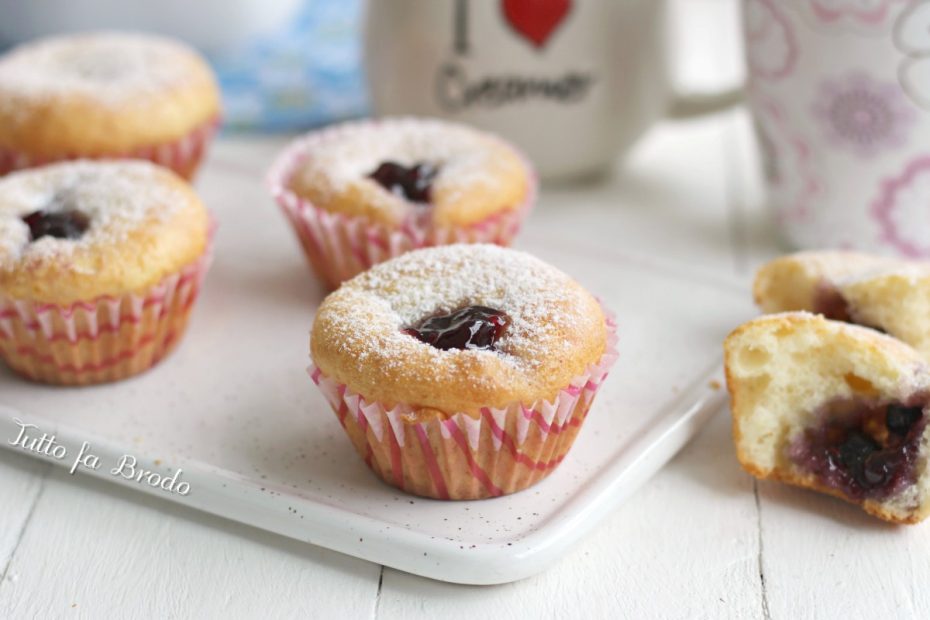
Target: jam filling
{"x": 472, "y": 327}
{"x": 415, "y": 183}
{"x": 67, "y": 224}
{"x": 867, "y": 451}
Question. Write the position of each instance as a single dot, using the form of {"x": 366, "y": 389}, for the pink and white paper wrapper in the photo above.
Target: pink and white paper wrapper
{"x": 340, "y": 246}
{"x": 461, "y": 456}
{"x": 183, "y": 156}
{"x": 101, "y": 340}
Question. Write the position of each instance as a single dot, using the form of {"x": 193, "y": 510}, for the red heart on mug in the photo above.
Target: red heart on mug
{"x": 536, "y": 19}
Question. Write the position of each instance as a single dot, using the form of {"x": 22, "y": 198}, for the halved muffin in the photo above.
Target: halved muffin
{"x": 833, "y": 407}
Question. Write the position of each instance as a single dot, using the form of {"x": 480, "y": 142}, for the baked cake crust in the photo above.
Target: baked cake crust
{"x": 888, "y": 294}
{"x": 792, "y": 282}
{"x": 144, "y": 223}
{"x": 477, "y": 174}
{"x": 557, "y": 330}
{"x": 100, "y": 94}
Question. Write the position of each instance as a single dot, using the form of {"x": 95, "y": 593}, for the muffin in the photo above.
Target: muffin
{"x": 837, "y": 408}
{"x": 106, "y": 95}
{"x": 886, "y": 294}
{"x": 363, "y": 192}
{"x": 100, "y": 264}
{"x": 463, "y": 371}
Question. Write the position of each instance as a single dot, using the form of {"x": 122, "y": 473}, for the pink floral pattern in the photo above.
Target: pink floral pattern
{"x": 863, "y": 114}
{"x": 840, "y": 90}
{"x": 771, "y": 44}
{"x": 902, "y": 209}
{"x": 912, "y": 38}
{"x": 859, "y": 11}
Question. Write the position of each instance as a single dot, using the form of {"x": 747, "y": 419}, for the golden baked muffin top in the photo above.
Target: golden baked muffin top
{"x": 80, "y": 230}
{"x": 462, "y": 176}
{"x": 102, "y": 94}
{"x": 364, "y": 333}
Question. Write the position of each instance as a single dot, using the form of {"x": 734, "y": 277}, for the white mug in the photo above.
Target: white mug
{"x": 573, "y": 83}
{"x": 840, "y": 91}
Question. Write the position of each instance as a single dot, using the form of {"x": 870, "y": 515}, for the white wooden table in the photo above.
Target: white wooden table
{"x": 701, "y": 539}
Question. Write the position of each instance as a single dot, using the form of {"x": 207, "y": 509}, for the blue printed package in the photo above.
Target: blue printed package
{"x": 308, "y": 74}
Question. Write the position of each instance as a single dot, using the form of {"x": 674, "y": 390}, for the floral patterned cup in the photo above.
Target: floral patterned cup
{"x": 840, "y": 91}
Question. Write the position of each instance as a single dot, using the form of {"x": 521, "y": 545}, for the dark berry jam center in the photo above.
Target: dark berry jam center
{"x": 415, "y": 183}
{"x": 69, "y": 224}
{"x": 866, "y": 451}
{"x": 472, "y": 327}
{"x": 900, "y": 419}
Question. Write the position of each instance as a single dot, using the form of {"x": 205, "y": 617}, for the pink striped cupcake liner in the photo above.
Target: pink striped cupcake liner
{"x": 183, "y": 156}
{"x": 100, "y": 340}
{"x": 459, "y": 455}
{"x": 340, "y": 246}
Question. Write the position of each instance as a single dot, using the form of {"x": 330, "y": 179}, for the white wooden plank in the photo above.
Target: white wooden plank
{"x": 21, "y": 483}
{"x": 824, "y": 558}
{"x": 684, "y": 546}
{"x": 106, "y": 553}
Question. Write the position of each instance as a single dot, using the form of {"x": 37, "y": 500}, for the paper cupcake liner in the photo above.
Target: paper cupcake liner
{"x": 461, "y": 456}
{"x": 183, "y": 156}
{"x": 339, "y": 246}
{"x": 101, "y": 340}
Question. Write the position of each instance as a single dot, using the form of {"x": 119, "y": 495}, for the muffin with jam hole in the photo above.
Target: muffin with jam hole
{"x": 106, "y": 95}
{"x": 463, "y": 371}
{"x": 362, "y": 192}
{"x": 100, "y": 264}
{"x": 837, "y": 408}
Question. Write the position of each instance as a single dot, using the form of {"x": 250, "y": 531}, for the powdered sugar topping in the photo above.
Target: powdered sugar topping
{"x": 108, "y": 68}
{"x": 117, "y": 197}
{"x": 912, "y": 271}
{"x": 546, "y": 307}
{"x": 348, "y": 154}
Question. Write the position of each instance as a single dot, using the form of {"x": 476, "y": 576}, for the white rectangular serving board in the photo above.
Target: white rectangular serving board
{"x": 235, "y": 410}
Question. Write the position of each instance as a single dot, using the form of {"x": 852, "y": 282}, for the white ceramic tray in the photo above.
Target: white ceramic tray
{"x": 234, "y": 410}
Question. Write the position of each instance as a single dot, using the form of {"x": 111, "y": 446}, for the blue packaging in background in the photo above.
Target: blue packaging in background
{"x": 283, "y": 65}
{"x": 308, "y": 74}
